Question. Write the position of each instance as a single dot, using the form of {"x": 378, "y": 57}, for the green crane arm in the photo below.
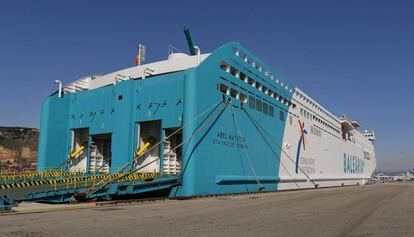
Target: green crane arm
{"x": 190, "y": 42}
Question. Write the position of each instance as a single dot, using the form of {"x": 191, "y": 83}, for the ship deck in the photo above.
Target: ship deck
{"x": 372, "y": 210}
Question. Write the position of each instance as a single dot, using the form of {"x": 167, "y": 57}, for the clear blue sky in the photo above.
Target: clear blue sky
{"x": 351, "y": 56}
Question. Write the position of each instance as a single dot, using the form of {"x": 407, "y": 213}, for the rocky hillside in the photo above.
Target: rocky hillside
{"x": 18, "y": 147}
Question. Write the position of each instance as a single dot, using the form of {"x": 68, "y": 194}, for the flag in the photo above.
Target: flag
{"x": 137, "y": 59}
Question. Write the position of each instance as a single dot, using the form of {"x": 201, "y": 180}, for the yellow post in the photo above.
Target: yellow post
{"x": 75, "y": 153}
{"x": 142, "y": 149}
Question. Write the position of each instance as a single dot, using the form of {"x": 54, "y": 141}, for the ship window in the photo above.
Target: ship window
{"x": 265, "y": 108}
{"x": 301, "y": 112}
{"x": 242, "y": 55}
{"x": 264, "y": 89}
{"x": 259, "y": 105}
{"x": 293, "y": 105}
{"x": 236, "y": 51}
{"x": 281, "y": 115}
{"x": 243, "y": 97}
{"x": 290, "y": 119}
{"x": 224, "y": 89}
{"x": 224, "y": 66}
{"x": 234, "y": 93}
{"x": 242, "y": 76}
{"x": 250, "y": 81}
{"x": 258, "y": 86}
{"x": 271, "y": 111}
{"x": 252, "y": 102}
{"x": 270, "y": 93}
{"x": 234, "y": 71}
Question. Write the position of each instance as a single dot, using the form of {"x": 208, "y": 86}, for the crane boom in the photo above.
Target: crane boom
{"x": 190, "y": 42}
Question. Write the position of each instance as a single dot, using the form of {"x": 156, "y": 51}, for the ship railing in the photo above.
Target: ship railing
{"x": 79, "y": 85}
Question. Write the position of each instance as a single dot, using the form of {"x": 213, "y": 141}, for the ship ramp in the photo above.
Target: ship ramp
{"x": 61, "y": 186}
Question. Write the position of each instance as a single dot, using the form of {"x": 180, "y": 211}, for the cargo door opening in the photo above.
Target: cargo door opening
{"x": 149, "y": 134}
{"x": 77, "y": 160}
{"x": 100, "y": 153}
{"x": 172, "y": 154}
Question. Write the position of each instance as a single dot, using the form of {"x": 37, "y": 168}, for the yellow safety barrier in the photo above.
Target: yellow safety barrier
{"x": 30, "y": 176}
{"x": 142, "y": 149}
{"x": 67, "y": 181}
{"x": 75, "y": 153}
{"x": 22, "y": 185}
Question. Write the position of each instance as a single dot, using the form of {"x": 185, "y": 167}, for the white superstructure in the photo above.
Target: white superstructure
{"x": 175, "y": 62}
{"x": 333, "y": 152}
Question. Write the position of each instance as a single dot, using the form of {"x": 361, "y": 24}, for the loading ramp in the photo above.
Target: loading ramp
{"x": 61, "y": 186}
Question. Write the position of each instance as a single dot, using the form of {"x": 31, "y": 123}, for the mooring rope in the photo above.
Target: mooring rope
{"x": 104, "y": 183}
{"x": 261, "y": 187}
{"x": 257, "y": 124}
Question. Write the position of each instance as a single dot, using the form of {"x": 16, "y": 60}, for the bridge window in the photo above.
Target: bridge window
{"x": 243, "y": 97}
{"x": 265, "y": 108}
{"x": 234, "y": 72}
{"x": 251, "y": 81}
{"x": 234, "y": 93}
{"x": 242, "y": 55}
{"x": 259, "y": 105}
{"x": 224, "y": 89}
{"x": 271, "y": 111}
{"x": 224, "y": 66}
{"x": 236, "y": 51}
{"x": 270, "y": 93}
{"x": 252, "y": 102}
{"x": 243, "y": 76}
{"x": 281, "y": 115}
{"x": 258, "y": 86}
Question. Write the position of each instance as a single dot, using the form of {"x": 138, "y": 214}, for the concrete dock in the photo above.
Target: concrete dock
{"x": 373, "y": 210}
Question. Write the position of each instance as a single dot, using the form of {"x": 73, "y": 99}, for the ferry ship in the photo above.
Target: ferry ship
{"x": 223, "y": 122}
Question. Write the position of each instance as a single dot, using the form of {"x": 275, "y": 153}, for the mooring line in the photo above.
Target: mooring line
{"x": 261, "y": 187}
{"x": 277, "y": 144}
{"x": 101, "y": 185}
